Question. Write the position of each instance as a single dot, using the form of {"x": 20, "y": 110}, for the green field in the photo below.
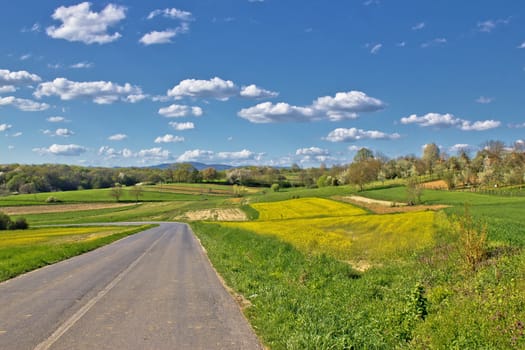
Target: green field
{"x": 26, "y": 250}
{"x": 320, "y": 274}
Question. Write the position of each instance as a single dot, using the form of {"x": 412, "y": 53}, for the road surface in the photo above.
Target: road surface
{"x": 152, "y": 290}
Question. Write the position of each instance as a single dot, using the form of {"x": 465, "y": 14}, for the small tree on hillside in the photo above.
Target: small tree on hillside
{"x": 137, "y": 191}
{"x": 116, "y": 192}
{"x": 414, "y": 191}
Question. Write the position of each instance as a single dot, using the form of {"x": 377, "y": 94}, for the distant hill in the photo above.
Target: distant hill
{"x": 196, "y": 165}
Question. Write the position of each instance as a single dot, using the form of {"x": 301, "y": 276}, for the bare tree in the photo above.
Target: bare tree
{"x": 116, "y": 192}
{"x": 137, "y": 191}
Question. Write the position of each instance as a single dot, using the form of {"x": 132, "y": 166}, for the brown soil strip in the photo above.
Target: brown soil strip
{"x": 386, "y": 207}
{"x": 60, "y": 208}
{"x": 232, "y": 214}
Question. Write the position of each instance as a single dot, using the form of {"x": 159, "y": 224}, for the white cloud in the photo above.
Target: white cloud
{"x": 214, "y": 88}
{"x": 110, "y": 153}
{"x": 178, "y": 111}
{"x": 432, "y": 119}
{"x": 100, "y": 92}
{"x": 253, "y": 91}
{"x": 491, "y": 24}
{"x": 481, "y": 125}
{"x": 172, "y": 13}
{"x": 164, "y": 36}
{"x": 61, "y": 150}
{"x": 438, "y": 120}
{"x": 375, "y": 48}
{"x": 56, "y": 119}
{"x": 311, "y": 151}
{"x": 79, "y": 23}
{"x": 18, "y": 78}
{"x": 267, "y": 112}
{"x": 10, "y": 147}
{"x": 135, "y": 98}
{"x": 25, "y": 57}
{"x": 118, "y": 137}
{"x": 7, "y": 89}
{"x": 434, "y": 42}
{"x": 17, "y": 134}
{"x": 418, "y": 26}
{"x": 353, "y": 134}
{"x": 168, "y": 138}
{"x": 153, "y": 154}
{"x": 182, "y": 126}
{"x": 522, "y": 46}
{"x": 342, "y": 106}
{"x": 517, "y": 126}
{"x": 64, "y": 132}
{"x": 484, "y": 100}
{"x": 459, "y": 147}
{"x": 195, "y": 155}
{"x": 5, "y": 127}
{"x": 23, "y": 104}
{"x": 401, "y": 44}
{"x": 239, "y": 157}
{"x": 82, "y": 65}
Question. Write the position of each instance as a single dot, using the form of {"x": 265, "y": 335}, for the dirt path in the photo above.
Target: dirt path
{"x": 59, "y": 208}
{"x": 385, "y": 207}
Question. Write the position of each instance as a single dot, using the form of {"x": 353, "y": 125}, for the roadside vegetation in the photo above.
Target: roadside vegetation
{"x": 23, "y": 251}
{"x": 439, "y": 265}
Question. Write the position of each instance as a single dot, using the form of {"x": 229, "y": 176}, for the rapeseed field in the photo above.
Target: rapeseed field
{"x": 322, "y": 226}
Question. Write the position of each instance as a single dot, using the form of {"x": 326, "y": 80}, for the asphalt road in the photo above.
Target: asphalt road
{"x": 152, "y": 290}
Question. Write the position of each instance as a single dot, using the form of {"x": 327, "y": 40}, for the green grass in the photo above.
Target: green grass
{"x": 26, "y": 250}
{"x": 150, "y": 194}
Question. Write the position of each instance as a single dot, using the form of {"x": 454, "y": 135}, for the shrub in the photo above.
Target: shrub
{"x": 472, "y": 240}
{"x": 20, "y": 224}
{"x": 53, "y": 199}
{"x": 5, "y": 221}
{"x": 275, "y": 187}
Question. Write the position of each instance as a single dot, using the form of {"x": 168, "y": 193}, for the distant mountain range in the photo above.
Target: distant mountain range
{"x": 196, "y": 165}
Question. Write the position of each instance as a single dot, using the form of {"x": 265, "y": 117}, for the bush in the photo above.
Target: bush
{"x": 52, "y": 199}
{"x": 5, "y": 221}
{"x": 276, "y": 187}
{"x": 20, "y": 224}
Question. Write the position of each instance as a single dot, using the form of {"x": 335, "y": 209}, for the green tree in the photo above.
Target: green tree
{"x": 116, "y": 192}
{"x": 430, "y": 157}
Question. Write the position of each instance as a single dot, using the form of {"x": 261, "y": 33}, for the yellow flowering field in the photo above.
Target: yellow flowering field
{"x": 345, "y": 233}
{"x": 305, "y": 208}
{"x": 55, "y": 235}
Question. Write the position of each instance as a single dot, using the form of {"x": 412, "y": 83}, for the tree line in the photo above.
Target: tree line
{"x": 494, "y": 165}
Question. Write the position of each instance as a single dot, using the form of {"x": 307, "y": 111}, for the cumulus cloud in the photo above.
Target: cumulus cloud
{"x": 522, "y": 46}
{"x": 178, "y": 111}
{"x": 100, "y": 92}
{"x": 153, "y": 154}
{"x": 479, "y": 125}
{"x": 56, "y": 119}
{"x": 342, "y": 106}
{"x": 111, "y": 153}
{"x": 238, "y": 157}
{"x": 353, "y": 134}
{"x": 448, "y": 120}
{"x": 168, "y": 138}
{"x": 61, "y": 150}
{"x": 81, "y": 24}
{"x": 172, "y": 13}
{"x": 62, "y": 132}
{"x": 118, "y": 137}
{"x": 214, "y": 88}
{"x": 23, "y": 104}
{"x": 164, "y": 36}
{"x": 460, "y": 147}
{"x": 5, "y": 127}
{"x": 18, "y": 78}
{"x": 182, "y": 126}
{"x": 311, "y": 151}
{"x": 253, "y": 91}
{"x": 7, "y": 89}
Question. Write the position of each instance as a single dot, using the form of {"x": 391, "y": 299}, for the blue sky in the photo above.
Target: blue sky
{"x": 274, "y": 82}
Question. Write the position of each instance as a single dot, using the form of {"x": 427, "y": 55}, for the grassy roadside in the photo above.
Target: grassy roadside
{"x": 23, "y": 251}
